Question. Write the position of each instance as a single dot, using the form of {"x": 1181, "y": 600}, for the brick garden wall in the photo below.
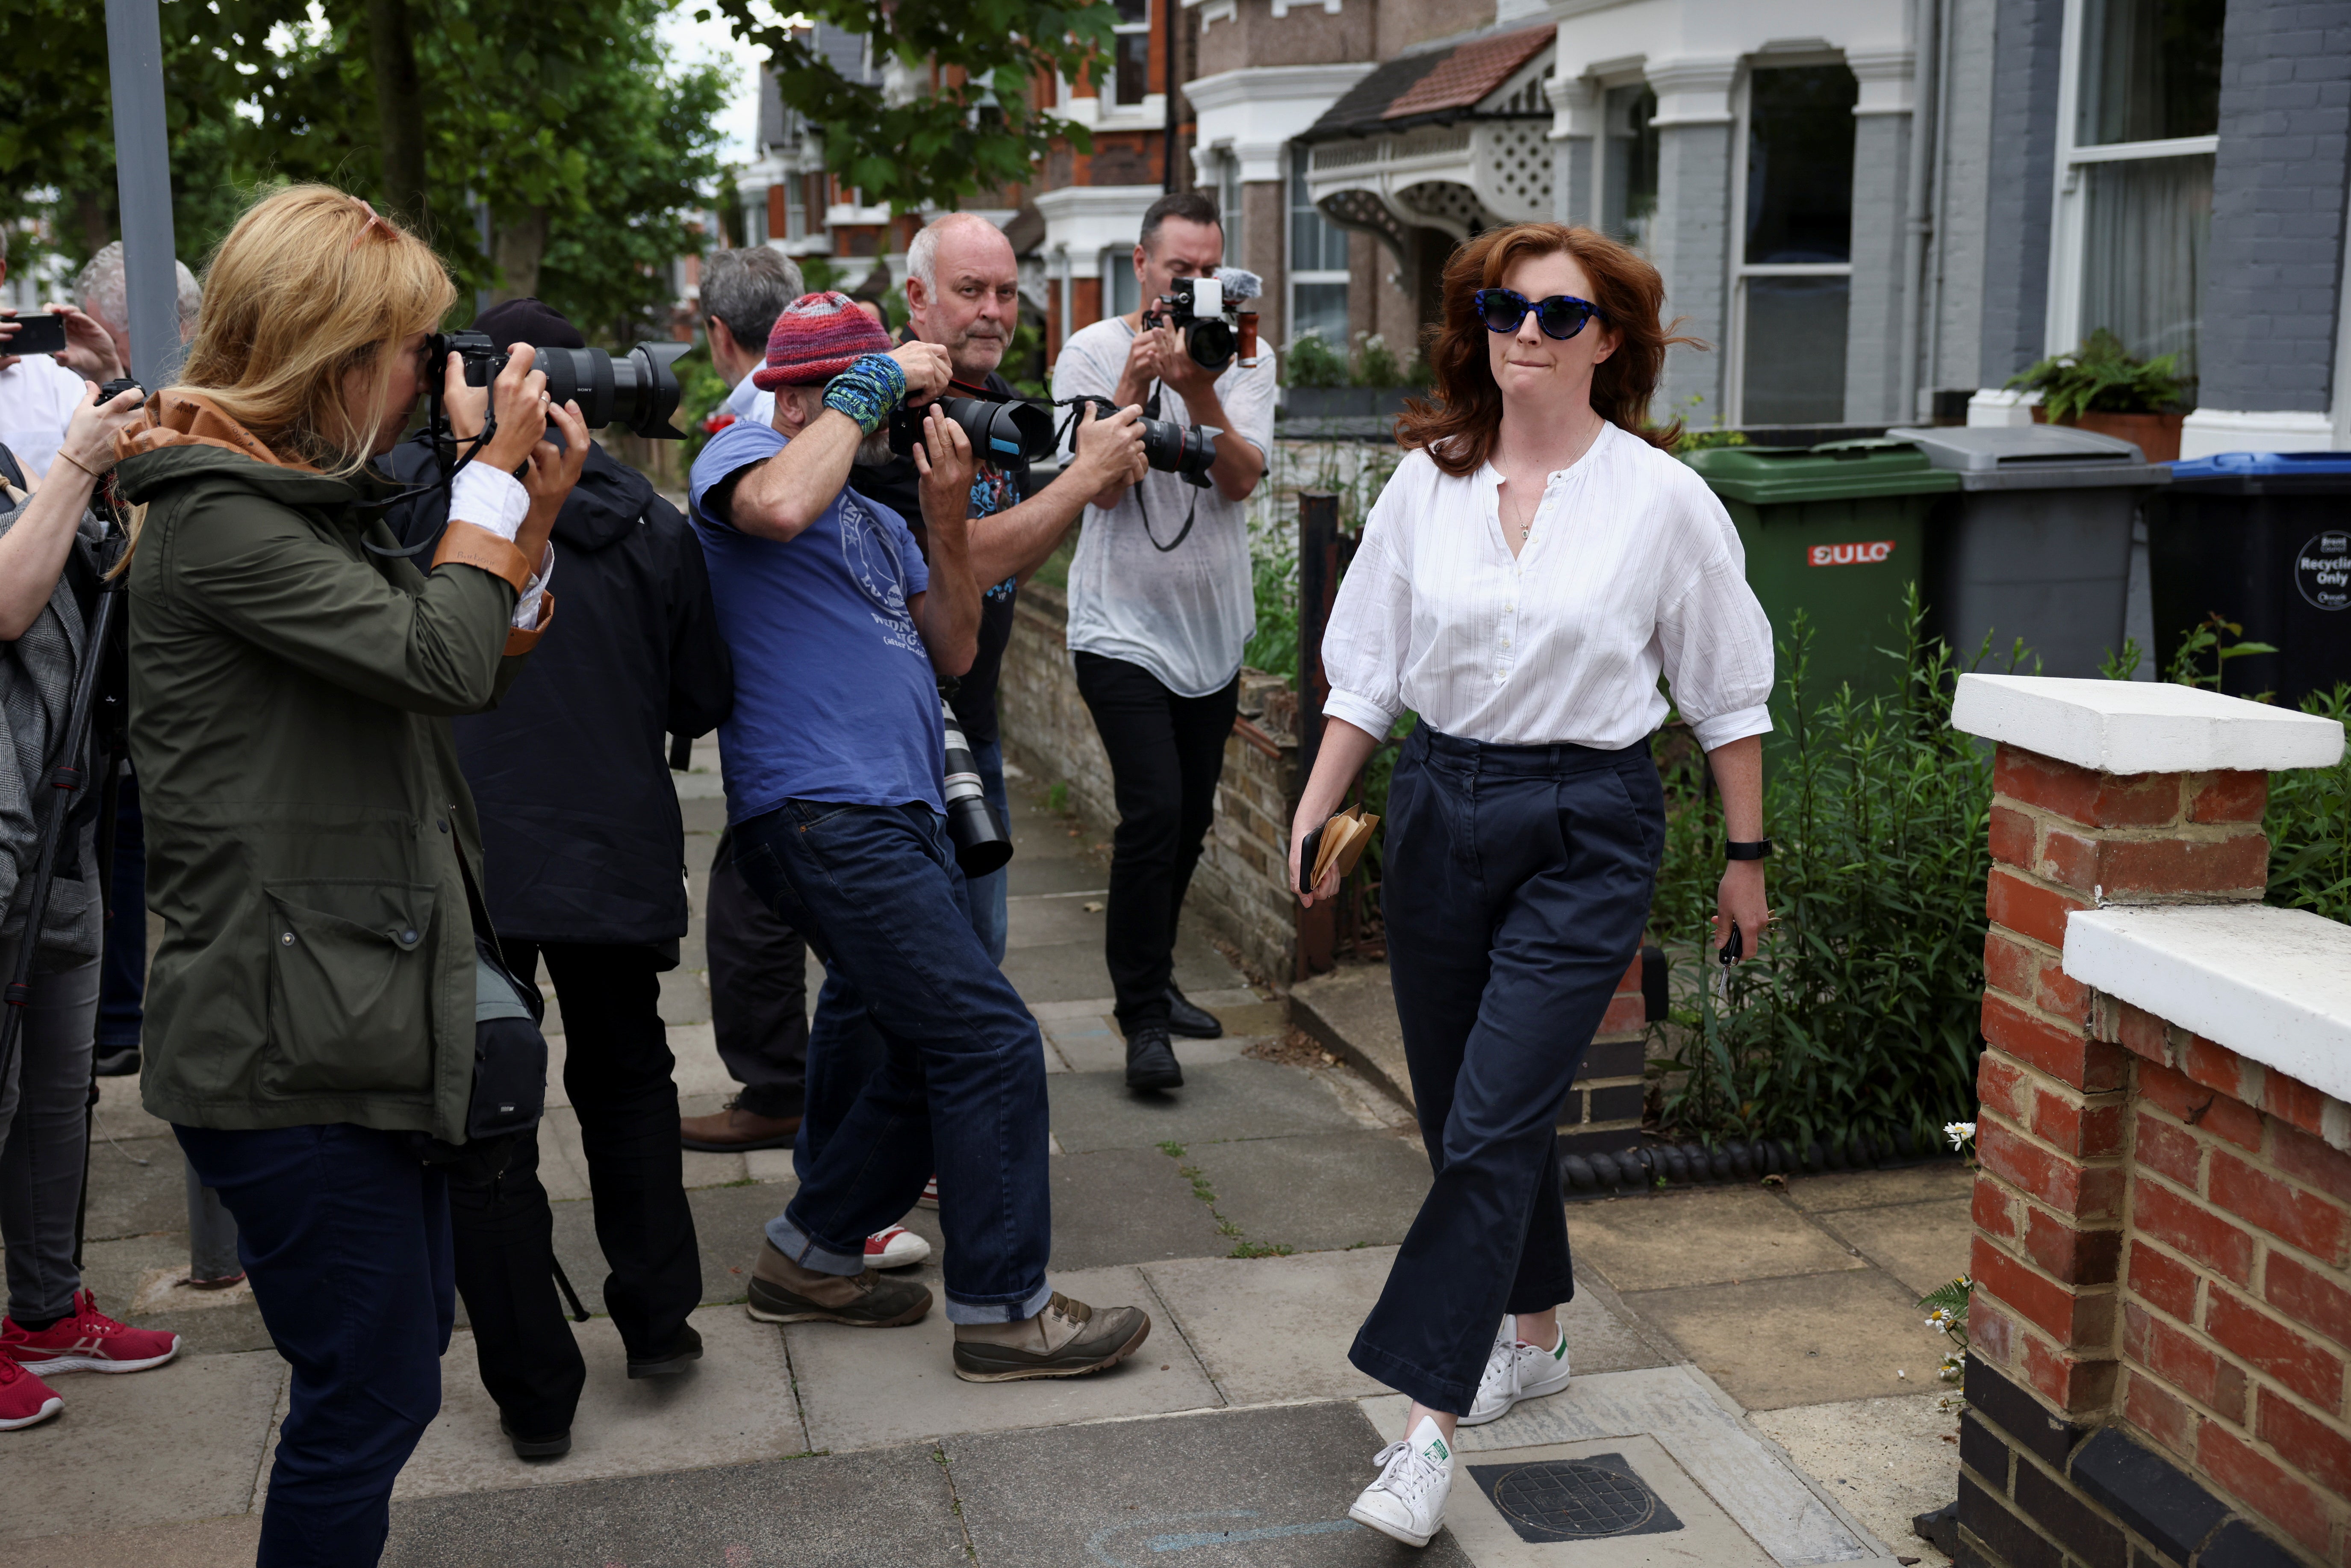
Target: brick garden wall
{"x": 2162, "y": 1314}
{"x": 1238, "y": 891}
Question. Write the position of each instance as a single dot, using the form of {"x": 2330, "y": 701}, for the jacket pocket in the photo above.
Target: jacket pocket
{"x": 351, "y": 988}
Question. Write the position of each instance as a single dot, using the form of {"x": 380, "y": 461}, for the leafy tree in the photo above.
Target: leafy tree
{"x": 557, "y": 114}
{"x": 955, "y": 115}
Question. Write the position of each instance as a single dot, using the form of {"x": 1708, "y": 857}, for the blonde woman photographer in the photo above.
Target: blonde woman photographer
{"x": 311, "y": 846}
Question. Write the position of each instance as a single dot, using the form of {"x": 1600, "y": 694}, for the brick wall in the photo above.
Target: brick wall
{"x": 2276, "y": 266}
{"x": 1604, "y": 1107}
{"x": 2162, "y": 1314}
{"x": 1963, "y": 191}
{"x": 1238, "y": 891}
{"x": 1881, "y": 185}
{"x": 1688, "y": 241}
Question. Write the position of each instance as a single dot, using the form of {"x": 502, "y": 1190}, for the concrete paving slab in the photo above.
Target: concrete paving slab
{"x": 1096, "y": 1044}
{"x": 1701, "y": 1535}
{"x": 124, "y": 1118}
{"x": 1923, "y": 1245}
{"x": 166, "y": 1290}
{"x": 736, "y": 1405}
{"x": 1127, "y": 1205}
{"x": 726, "y": 1227}
{"x": 1352, "y": 1011}
{"x": 869, "y": 1388}
{"x": 117, "y": 1272}
{"x": 1276, "y": 1328}
{"x": 1871, "y": 1189}
{"x": 1700, "y": 1238}
{"x": 1247, "y": 1488}
{"x": 190, "y": 1543}
{"x": 126, "y": 1199}
{"x": 1318, "y": 1192}
{"x": 859, "y": 1510}
{"x": 1043, "y": 921}
{"x": 1831, "y": 1337}
{"x": 1035, "y": 873}
{"x": 1066, "y": 971}
{"x": 195, "y": 1429}
{"x": 1884, "y": 1461}
{"x": 1751, "y": 1482}
{"x": 1238, "y": 1099}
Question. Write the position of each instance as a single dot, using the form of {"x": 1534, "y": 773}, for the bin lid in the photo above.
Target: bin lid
{"x": 2266, "y": 473}
{"x": 1836, "y": 471}
{"x": 2033, "y": 457}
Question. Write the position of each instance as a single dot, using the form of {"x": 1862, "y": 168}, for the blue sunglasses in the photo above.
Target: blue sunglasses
{"x": 1561, "y": 316}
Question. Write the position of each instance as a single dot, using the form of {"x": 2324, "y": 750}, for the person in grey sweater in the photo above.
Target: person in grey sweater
{"x": 48, "y": 575}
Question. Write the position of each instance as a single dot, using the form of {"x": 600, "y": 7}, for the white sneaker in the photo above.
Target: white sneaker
{"x": 1407, "y": 1502}
{"x": 1515, "y": 1371}
{"x": 895, "y": 1248}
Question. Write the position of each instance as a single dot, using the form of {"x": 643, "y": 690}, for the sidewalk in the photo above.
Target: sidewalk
{"x": 1253, "y": 1214}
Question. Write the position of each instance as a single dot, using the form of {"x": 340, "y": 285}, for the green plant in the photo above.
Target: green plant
{"x": 701, "y": 390}
{"x": 2099, "y": 376}
{"x": 1311, "y": 363}
{"x": 1859, "y": 1013}
{"x": 2187, "y": 660}
{"x": 2309, "y": 825}
{"x": 1375, "y": 362}
{"x": 1694, "y": 439}
{"x": 1273, "y": 574}
{"x": 1057, "y": 800}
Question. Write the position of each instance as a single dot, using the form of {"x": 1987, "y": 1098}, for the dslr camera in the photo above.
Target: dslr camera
{"x": 1189, "y": 450}
{"x": 638, "y": 390}
{"x": 1001, "y": 432}
{"x": 1204, "y": 312}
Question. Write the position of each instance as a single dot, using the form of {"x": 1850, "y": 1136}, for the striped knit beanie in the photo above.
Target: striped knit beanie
{"x": 818, "y": 336}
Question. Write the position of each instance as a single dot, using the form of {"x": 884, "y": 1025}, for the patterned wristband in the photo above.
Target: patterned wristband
{"x": 867, "y": 390}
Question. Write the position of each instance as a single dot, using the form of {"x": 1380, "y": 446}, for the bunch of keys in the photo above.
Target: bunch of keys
{"x": 1731, "y": 953}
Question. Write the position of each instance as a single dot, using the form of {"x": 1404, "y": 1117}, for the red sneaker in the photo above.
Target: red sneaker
{"x": 88, "y": 1341}
{"x": 895, "y": 1248}
{"x": 24, "y": 1398}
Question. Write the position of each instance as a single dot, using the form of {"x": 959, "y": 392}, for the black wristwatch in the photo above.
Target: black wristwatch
{"x": 1755, "y": 850}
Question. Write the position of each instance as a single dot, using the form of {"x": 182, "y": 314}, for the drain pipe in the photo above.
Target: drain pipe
{"x": 1926, "y": 36}
{"x": 1939, "y": 241}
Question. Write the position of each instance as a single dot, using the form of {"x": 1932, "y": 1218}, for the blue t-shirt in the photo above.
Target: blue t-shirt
{"x": 835, "y": 698}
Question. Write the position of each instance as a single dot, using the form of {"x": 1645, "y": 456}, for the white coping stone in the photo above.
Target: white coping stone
{"x": 2141, "y": 726}
{"x": 2272, "y": 985}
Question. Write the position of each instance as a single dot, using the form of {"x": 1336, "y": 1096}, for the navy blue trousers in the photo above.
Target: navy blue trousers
{"x": 1516, "y": 888}
{"x": 960, "y": 1086}
{"x": 345, "y": 1236}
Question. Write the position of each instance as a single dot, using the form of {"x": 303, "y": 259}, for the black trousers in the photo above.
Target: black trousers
{"x": 1516, "y": 888}
{"x": 1167, "y": 753}
{"x": 617, "y": 1071}
{"x": 759, "y": 993}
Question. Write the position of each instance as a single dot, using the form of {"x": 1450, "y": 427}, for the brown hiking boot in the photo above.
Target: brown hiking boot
{"x": 1068, "y": 1339}
{"x": 784, "y": 1292}
{"x": 733, "y": 1130}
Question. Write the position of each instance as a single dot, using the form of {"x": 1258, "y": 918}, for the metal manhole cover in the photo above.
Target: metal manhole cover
{"x": 1574, "y": 1500}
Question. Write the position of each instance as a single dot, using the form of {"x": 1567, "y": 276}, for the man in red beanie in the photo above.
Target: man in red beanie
{"x": 831, "y": 762}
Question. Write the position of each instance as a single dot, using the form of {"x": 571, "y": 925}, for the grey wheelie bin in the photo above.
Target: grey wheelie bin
{"x": 2037, "y": 544}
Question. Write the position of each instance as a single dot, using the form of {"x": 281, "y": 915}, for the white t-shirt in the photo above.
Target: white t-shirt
{"x": 37, "y": 399}
{"x": 1185, "y": 613}
{"x": 749, "y": 403}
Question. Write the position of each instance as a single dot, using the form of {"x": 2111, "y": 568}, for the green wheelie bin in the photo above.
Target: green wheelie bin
{"x": 1838, "y": 531}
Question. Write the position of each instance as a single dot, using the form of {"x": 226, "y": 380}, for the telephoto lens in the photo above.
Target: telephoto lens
{"x": 1186, "y": 449}
{"x": 981, "y": 844}
{"x": 638, "y": 390}
{"x": 998, "y": 432}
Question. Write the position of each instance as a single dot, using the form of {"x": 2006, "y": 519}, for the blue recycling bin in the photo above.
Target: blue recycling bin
{"x": 2265, "y": 539}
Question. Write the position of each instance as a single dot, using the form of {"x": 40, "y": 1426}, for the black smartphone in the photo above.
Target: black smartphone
{"x": 1307, "y": 852}
{"x": 37, "y": 332}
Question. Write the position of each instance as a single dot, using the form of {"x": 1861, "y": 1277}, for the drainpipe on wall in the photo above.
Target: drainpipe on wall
{"x": 1926, "y": 36}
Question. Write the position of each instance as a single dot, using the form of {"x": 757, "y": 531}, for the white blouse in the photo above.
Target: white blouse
{"x": 1632, "y": 567}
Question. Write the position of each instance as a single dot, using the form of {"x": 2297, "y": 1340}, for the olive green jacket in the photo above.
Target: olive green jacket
{"x": 308, "y": 832}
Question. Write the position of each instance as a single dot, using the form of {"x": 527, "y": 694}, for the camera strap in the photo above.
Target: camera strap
{"x": 448, "y": 459}
{"x": 1151, "y": 411}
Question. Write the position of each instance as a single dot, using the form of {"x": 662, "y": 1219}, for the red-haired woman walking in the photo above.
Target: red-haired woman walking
{"x": 1536, "y": 562}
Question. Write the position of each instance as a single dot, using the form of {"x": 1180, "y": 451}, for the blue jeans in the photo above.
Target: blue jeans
{"x": 959, "y": 1087}
{"x": 345, "y": 1236}
{"x": 1516, "y": 889}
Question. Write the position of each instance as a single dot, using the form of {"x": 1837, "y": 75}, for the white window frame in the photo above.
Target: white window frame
{"x": 1734, "y": 367}
{"x": 1293, "y": 275}
{"x": 2068, "y": 228}
{"x": 795, "y": 206}
{"x": 755, "y": 222}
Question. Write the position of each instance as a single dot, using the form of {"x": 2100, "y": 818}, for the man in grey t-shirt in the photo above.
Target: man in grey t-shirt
{"x": 1160, "y": 608}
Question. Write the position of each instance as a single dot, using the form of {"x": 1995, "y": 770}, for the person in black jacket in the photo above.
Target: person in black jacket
{"x": 583, "y": 854}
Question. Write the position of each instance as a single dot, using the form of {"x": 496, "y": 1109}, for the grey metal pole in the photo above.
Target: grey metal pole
{"x": 142, "y": 171}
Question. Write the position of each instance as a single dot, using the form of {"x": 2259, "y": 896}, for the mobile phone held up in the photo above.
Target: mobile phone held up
{"x": 37, "y": 333}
